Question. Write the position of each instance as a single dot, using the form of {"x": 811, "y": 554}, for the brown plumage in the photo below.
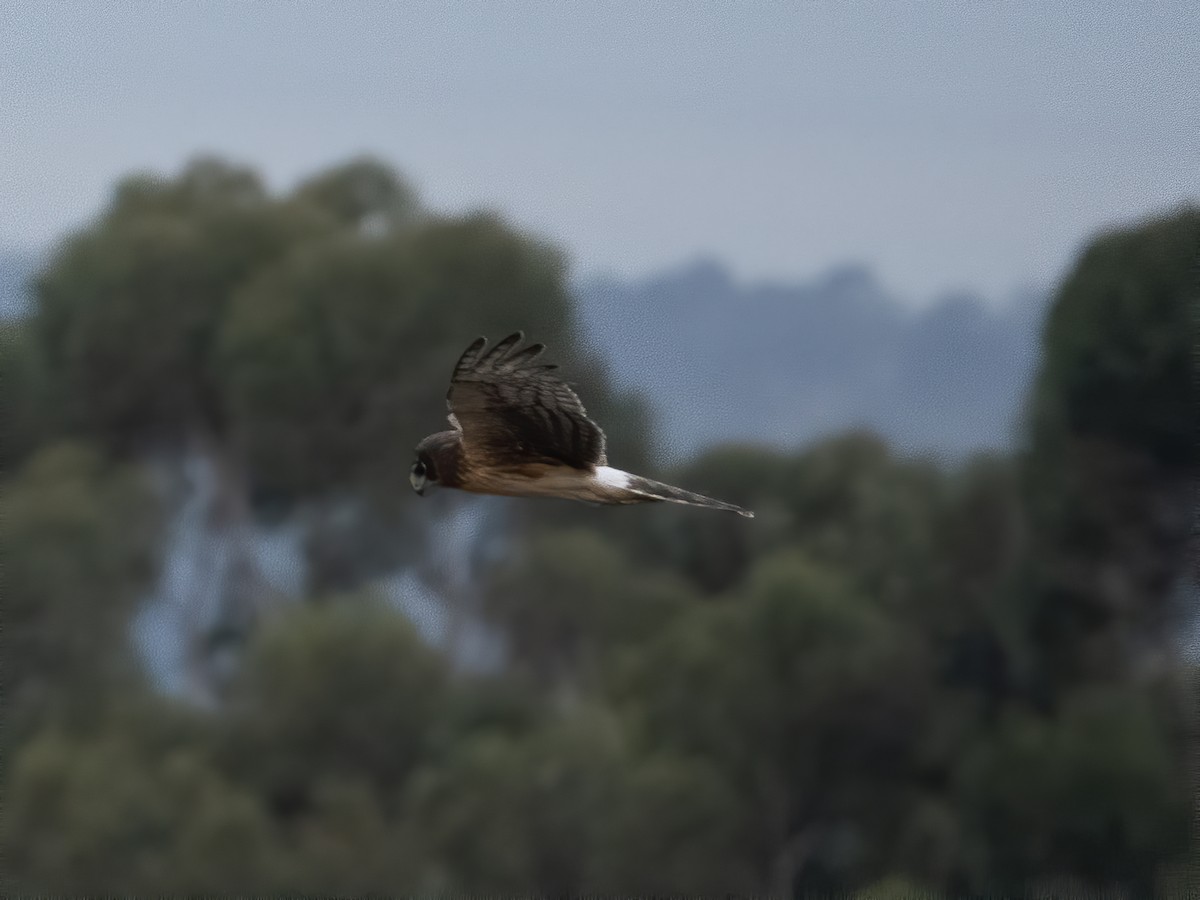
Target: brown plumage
{"x": 521, "y": 432}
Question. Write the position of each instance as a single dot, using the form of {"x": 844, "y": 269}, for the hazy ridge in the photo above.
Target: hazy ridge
{"x": 786, "y": 363}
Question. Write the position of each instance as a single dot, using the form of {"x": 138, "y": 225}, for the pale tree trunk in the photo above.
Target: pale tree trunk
{"x": 449, "y": 567}
{"x": 226, "y": 593}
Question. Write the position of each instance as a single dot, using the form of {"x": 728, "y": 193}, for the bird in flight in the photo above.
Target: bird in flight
{"x": 519, "y": 431}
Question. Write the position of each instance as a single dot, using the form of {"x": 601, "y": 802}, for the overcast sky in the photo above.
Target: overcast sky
{"x": 948, "y": 145}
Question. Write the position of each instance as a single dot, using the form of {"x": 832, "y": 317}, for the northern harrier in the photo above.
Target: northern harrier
{"x": 521, "y": 432}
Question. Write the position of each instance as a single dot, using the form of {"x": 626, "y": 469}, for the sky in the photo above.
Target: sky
{"x": 950, "y": 146}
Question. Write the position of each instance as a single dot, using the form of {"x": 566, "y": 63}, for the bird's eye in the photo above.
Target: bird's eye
{"x": 418, "y": 468}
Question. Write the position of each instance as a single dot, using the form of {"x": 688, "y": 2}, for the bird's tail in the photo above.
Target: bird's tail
{"x": 656, "y": 490}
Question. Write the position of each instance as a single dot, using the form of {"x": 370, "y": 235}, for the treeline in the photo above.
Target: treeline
{"x": 897, "y": 680}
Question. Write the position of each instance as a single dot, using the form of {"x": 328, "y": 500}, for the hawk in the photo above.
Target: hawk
{"x": 521, "y": 432}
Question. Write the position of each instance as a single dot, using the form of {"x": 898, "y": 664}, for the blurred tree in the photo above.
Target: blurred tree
{"x": 127, "y": 314}
{"x": 77, "y": 538}
{"x": 715, "y": 551}
{"x": 27, "y": 417}
{"x": 365, "y": 193}
{"x": 336, "y": 362}
{"x": 1116, "y": 343}
{"x": 320, "y": 359}
{"x": 806, "y": 695}
{"x": 982, "y": 540}
{"x": 862, "y": 511}
{"x": 897, "y": 888}
{"x": 315, "y": 331}
{"x": 298, "y": 347}
{"x": 128, "y": 309}
{"x": 346, "y": 690}
{"x": 832, "y": 698}
{"x": 1112, "y": 452}
{"x": 846, "y": 501}
{"x": 346, "y": 845}
{"x": 564, "y": 809}
{"x": 99, "y": 815}
{"x": 568, "y": 600}
{"x": 519, "y": 814}
{"x": 502, "y": 703}
{"x": 673, "y": 826}
{"x": 1095, "y": 794}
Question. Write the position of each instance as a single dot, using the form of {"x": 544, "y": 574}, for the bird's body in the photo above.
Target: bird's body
{"x": 521, "y": 432}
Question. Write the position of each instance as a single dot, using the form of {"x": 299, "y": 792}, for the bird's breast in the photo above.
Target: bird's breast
{"x": 533, "y": 480}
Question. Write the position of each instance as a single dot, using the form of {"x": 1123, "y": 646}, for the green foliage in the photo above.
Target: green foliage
{"x": 564, "y": 808}
{"x": 315, "y": 358}
{"x": 515, "y": 814}
{"x": 674, "y": 825}
{"x": 569, "y": 601}
{"x": 805, "y": 694}
{"x": 799, "y": 652}
{"x": 1094, "y": 790}
{"x": 346, "y": 689}
{"x": 845, "y": 501}
{"x": 101, "y": 815}
{"x": 292, "y": 338}
{"x": 327, "y": 358}
{"x": 362, "y": 190}
{"x": 714, "y": 551}
{"x": 345, "y": 845}
{"x": 1111, "y": 456}
{"x": 896, "y": 888}
{"x": 898, "y": 680}
{"x": 1118, "y": 343}
{"x": 861, "y": 510}
{"x": 128, "y": 309}
{"x": 77, "y": 538}
{"x": 26, "y": 418}
{"x": 305, "y": 329}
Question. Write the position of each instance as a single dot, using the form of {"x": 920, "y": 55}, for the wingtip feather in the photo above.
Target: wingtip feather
{"x": 470, "y": 356}
{"x": 499, "y": 353}
{"x": 522, "y": 358}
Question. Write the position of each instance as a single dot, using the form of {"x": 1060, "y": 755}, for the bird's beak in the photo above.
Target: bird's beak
{"x": 418, "y": 484}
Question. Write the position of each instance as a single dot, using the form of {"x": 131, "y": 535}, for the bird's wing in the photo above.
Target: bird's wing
{"x": 512, "y": 411}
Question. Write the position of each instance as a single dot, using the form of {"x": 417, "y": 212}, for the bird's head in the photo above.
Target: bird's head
{"x": 421, "y": 474}
{"x": 438, "y": 461}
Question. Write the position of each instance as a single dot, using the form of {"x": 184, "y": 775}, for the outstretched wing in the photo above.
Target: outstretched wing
{"x": 512, "y": 411}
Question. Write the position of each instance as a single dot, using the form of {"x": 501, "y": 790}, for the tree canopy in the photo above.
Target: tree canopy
{"x": 901, "y": 679}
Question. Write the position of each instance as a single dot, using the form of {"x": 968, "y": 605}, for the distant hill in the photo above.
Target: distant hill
{"x": 786, "y": 363}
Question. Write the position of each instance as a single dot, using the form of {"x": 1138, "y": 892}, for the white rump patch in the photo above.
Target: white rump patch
{"x": 613, "y": 478}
